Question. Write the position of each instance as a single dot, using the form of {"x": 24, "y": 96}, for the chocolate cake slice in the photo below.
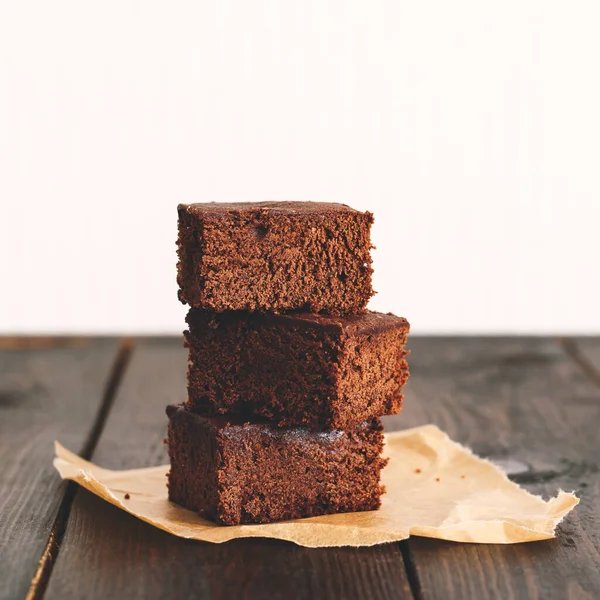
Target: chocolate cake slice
{"x": 318, "y": 371}
{"x": 235, "y": 472}
{"x": 275, "y": 256}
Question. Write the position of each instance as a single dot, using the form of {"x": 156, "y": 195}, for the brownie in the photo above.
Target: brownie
{"x": 320, "y": 371}
{"x": 234, "y": 472}
{"x": 274, "y": 256}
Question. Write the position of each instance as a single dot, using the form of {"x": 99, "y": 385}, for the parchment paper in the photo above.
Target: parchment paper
{"x": 435, "y": 488}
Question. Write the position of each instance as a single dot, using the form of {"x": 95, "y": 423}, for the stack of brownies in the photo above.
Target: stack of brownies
{"x": 288, "y": 371}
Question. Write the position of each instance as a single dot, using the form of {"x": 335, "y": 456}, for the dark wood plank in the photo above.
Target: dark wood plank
{"x": 528, "y": 405}
{"x": 106, "y": 553}
{"x": 49, "y": 389}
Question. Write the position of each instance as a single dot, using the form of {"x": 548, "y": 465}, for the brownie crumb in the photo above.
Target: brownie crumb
{"x": 235, "y": 472}
{"x": 275, "y": 256}
{"x": 301, "y": 369}
{"x": 127, "y": 496}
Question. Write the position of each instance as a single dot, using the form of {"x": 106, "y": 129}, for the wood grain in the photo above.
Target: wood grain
{"x": 48, "y": 391}
{"x": 107, "y": 553}
{"x": 528, "y": 405}
{"x": 585, "y": 351}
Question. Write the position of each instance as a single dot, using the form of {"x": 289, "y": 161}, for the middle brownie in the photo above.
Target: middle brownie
{"x": 297, "y": 369}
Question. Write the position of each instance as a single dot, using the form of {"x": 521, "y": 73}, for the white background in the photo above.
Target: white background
{"x": 470, "y": 129}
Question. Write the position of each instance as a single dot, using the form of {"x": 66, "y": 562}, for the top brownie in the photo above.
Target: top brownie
{"x": 275, "y": 256}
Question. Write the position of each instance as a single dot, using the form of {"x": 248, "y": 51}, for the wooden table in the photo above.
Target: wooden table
{"x": 531, "y": 404}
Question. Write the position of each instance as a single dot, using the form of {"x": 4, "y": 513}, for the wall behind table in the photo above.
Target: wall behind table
{"x": 470, "y": 129}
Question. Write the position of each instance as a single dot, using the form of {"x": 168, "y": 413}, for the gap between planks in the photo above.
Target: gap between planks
{"x": 573, "y": 351}
{"x": 50, "y": 553}
{"x": 411, "y": 570}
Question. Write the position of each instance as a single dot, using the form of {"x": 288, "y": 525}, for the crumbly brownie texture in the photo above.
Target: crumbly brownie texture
{"x": 234, "y": 472}
{"x": 319, "y": 371}
{"x": 275, "y": 256}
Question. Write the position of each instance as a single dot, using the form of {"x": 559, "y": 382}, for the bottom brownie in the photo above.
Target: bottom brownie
{"x": 234, "y": 472}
